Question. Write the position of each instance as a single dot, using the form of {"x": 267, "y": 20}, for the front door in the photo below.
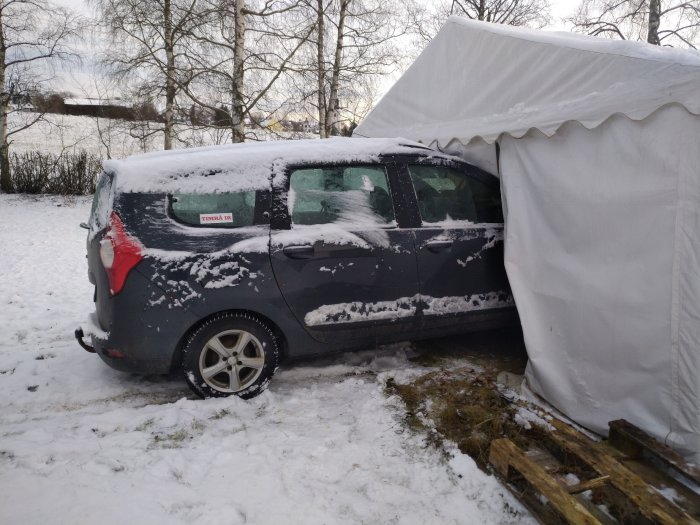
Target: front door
{"x": 459, "y": 245}
{"x": 344, "y": 267}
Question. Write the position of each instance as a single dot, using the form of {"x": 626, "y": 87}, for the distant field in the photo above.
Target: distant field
{"x": 115, "y": 138}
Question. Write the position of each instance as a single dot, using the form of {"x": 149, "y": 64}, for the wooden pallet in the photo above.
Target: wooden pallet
{"x": 620, "y": 479}
{"x": 634, "y": 443}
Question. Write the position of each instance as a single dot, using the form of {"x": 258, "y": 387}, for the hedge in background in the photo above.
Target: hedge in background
{"x": 65, "y": 174}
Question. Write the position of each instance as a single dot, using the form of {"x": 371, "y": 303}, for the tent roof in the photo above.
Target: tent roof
{"x": 477, "y": 79}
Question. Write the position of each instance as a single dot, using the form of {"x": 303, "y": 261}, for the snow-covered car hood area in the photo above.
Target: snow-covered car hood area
{"x": 82, "y": 443}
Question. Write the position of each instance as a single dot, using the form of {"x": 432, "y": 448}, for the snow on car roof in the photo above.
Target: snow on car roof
{"x": 246, "y": 166}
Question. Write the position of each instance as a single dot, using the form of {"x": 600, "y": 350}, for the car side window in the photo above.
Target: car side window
{"x": 340, "y": 194}
{"x": 487, "y": 201}
{"x": 445, "y": 193}
{"x": 218, "y": 210}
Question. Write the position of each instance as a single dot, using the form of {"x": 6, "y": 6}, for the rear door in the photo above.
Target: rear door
{"x": 459, "y": 243}
{"x": 345, "y": 268}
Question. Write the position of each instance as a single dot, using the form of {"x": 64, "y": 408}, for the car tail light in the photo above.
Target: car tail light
{"x": 119, "y": 253}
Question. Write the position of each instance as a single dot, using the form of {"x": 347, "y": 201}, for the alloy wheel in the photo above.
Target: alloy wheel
{"x": 231, "y": 361}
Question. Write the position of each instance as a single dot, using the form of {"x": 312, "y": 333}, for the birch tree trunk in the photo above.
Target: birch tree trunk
{"x": 31, "y": 32}
{"x": 675, "y": 23}
{"x": 331, "y": 112}
{"x": 320, "y": 70}
{"x": 169, "y": 74}
{"x": 654, "y": 22}
{"x": 237, "y": 103}
{"x": 5, "y": 180}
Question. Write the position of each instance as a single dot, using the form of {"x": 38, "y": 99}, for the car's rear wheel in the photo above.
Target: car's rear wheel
{"x": 230, "y": 354}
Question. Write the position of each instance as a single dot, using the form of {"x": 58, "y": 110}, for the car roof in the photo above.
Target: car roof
{"x": 249, "y": 165}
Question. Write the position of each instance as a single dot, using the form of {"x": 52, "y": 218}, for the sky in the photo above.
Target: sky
{"x": 560, "y": 9}
{"x": 79, "y": 80}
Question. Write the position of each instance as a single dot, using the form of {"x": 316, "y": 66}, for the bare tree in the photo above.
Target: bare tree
{"x": 658, "y": 22}
{"x": 331, "y": 106}
{"x": 427, "y": 19}
{"x": 356, "y": 43}
{"x": 148, "y": 42}
{"x": 33, "y": 34}
{"x": 239, "y": 52}
{"x": 101, "y": 88}
{"x": 320, "y": 70}
{"x": 532, "y": 13}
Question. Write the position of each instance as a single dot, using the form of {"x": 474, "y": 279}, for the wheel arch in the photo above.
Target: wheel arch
{"x": 176, "y": 362}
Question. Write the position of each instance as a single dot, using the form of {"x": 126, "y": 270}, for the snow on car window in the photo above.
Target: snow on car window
{"x": 101, "y": 204}
{"x": 342, "y": 199}
{"x": 351, "y": 195}
{"x": 330, "y": 234}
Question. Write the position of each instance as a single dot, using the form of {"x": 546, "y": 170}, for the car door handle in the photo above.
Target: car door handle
{"x": 437, "y": 246}
{"x": 299, "y": 252}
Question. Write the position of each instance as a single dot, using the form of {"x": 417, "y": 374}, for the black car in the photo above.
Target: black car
{"x": 223, "y": 261}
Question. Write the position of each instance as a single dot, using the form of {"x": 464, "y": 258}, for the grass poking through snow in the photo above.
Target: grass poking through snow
{"x": 460, "y": 403}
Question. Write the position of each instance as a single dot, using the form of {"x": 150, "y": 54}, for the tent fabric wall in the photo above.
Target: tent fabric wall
{"x": 477, "y": 153}
{"x": 686, "y": 287}
{"x": 600, "y": 170}
{"x": 602, "y": 254}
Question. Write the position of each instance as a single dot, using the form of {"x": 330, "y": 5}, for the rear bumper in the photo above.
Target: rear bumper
{"x": 128, "y": 361}
{"x": 118, "y": 359}
{"x": 134, "y": 331}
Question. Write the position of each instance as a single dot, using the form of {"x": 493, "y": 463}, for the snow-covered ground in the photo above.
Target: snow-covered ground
{"x": 82, "y": 443}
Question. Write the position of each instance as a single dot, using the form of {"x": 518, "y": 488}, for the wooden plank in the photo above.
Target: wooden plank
{"x": 544, "y": 459}
{"x": 604, "y": 517}
{"x": 633, "y": 441}
{"x": 652, "y": 505}
{"x": 588, "y": 485}
{"x": 505, "y": 456}
{"x": 687, "y": 499}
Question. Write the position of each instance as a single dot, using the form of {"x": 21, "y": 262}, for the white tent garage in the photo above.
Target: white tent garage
{"x": 600, "y": 166}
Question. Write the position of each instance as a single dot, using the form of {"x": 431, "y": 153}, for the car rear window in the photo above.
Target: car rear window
{"x": 218, "y": 210}
{"x": 101, "y": 203}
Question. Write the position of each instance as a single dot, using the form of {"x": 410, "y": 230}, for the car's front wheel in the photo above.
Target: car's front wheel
{"x": 230, "y": 354}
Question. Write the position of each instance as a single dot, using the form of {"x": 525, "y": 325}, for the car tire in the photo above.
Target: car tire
{"x": 230, "y": 354}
